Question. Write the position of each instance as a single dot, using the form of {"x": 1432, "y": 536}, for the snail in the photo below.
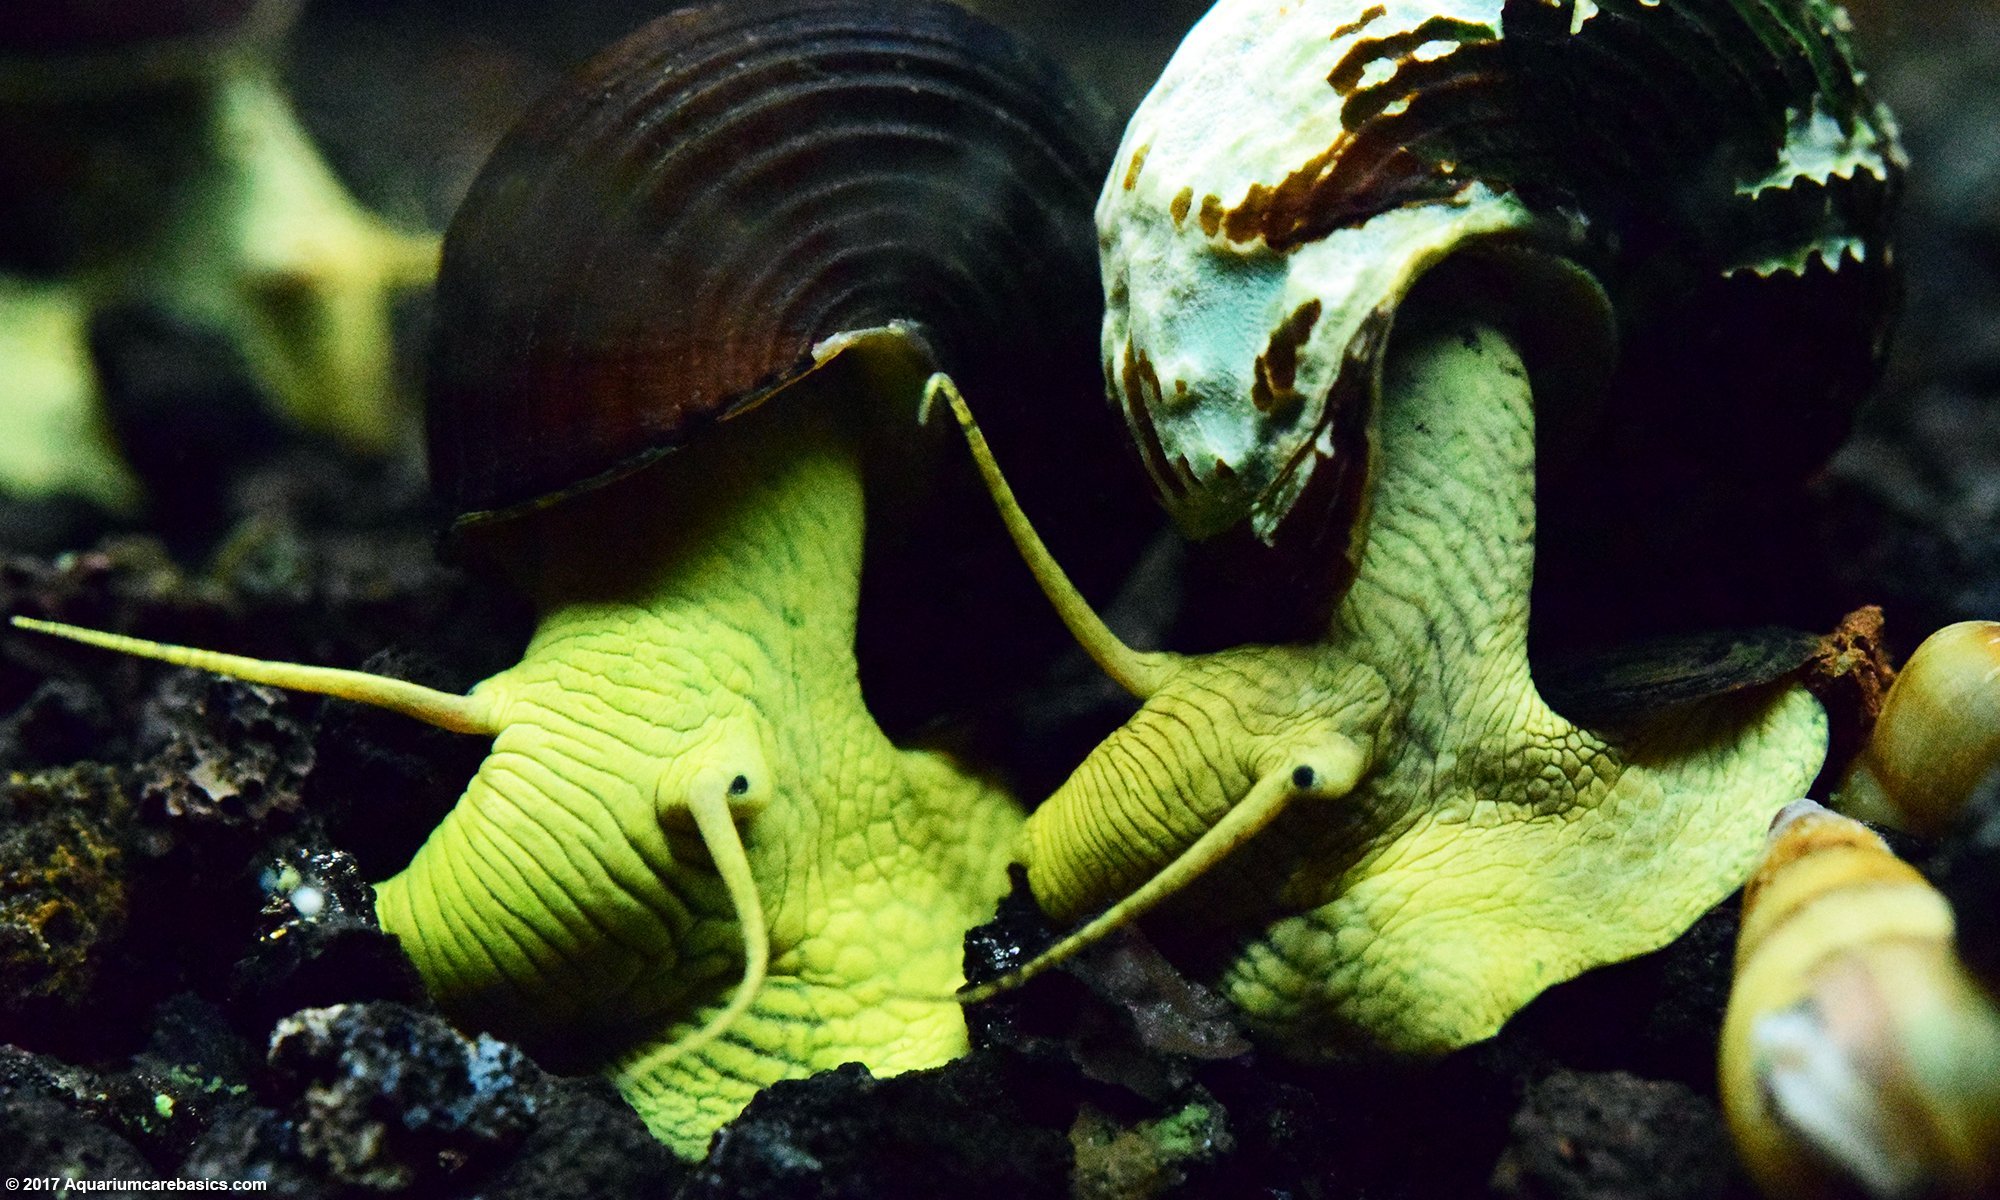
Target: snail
{"x": 148, "y": 154}
{"x": 1354, "y": 253}
{"x": 1938, "y": 734}
{"x": 693, "y": 859}
{"x": 1857, "y": 1053}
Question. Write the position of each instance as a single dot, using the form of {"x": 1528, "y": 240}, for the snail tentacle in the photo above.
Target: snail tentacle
{"x": 1364, "y": 263}
{"x": 1139, "y": 672}
{"x": 1325, "y": 771}
{"x": 715, "y": 815}
{"x": 447, "y": 710}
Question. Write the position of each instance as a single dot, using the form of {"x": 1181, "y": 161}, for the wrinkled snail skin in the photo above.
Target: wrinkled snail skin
{"x": 1294, "y": 173}
{"x": 573, "y": 901}
{"x": 1475, "y": 859}
{"x": 1084, "y": 853}
{"x": 693, "y": 860}
{"x": 1937, "y": 737}
{"x": 1494, "y": 848}
{"x": 566, "y": 901}
{"x": 1857, "y": 1054}
{"x": 219, "y": 211}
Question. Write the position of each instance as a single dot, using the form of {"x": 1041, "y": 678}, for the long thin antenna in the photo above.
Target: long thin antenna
{"x": 1140, "y": 672}
{"x": 1331, "y": 772}
{"x": 446, "y": 710}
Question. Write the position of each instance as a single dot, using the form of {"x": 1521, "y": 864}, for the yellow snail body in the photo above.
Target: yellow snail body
{"x": 1857, "y": 1053}
{"x": 1355, "y": 254}
{"x": 692, "y": 858}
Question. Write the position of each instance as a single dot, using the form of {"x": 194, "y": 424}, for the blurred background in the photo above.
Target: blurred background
{"x": 1916, "y": 493}
{"x": 407, "y": 96}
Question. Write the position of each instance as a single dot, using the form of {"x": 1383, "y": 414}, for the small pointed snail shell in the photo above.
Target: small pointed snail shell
{"x": 1856, "y": 1051}
{"x": 1938, "y": 734}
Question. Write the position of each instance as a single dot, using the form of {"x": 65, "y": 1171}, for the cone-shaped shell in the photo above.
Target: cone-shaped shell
{"x": 685, "y": 226}
{"x": 1712, "y": 165}
{"x": 1857, "y": 1055}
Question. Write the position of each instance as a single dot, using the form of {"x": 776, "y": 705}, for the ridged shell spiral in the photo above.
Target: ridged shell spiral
{"x": 667, "y": 240}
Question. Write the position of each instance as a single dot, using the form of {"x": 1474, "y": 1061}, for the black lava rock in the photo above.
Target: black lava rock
{"x": 1357, "y": 1131}
{"x": 258, "y": 1144}
{"x": 1614, "y": 1136}
{"x": 224, "y": 757}
{"x": 383, "y": 1097}
{"x": 193, "y": 1071}
{"x": 957, "y": 1131}
{"x": 64, "y": 902}
{"x": 62, "y": 721}
{"x": 57, "y": 1119}
{"x": 41, "y": 1138}
{"x": 317, "y": 943}
{"x": 380, "y": 1099}
{"x": 587, "y": 1142}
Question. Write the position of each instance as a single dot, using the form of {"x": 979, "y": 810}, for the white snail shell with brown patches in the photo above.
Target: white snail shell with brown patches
{"x": 1268, "y": 213}
{"x": 1684, "y": 198}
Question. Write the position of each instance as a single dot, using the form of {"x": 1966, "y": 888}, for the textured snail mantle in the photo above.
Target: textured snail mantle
{"x": 693, "y": 858}
{"x": 1433, "y": 844}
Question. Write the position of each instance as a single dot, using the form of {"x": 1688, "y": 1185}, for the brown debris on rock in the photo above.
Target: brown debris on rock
{"x": 63, "y": 894}
{"x": 1850, "y": 673}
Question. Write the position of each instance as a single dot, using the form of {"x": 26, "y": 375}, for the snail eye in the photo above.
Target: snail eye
{"x": 1303, "y": 777}
{"x": 739, "y": 786}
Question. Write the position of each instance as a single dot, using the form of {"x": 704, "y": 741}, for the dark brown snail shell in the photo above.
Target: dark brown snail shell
{"x": 1714, "y": 166}
{"x": 666, "y": 240}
